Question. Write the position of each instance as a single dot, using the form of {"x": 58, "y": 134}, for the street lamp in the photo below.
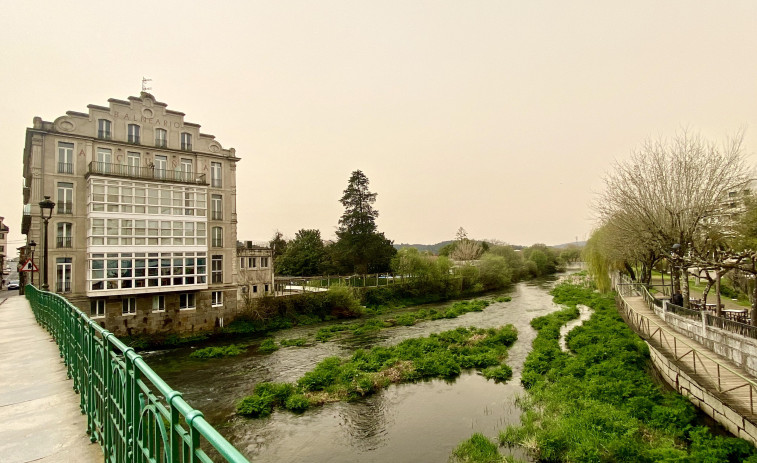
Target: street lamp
{"x": 32, "y": 245}
{"x": 45, "y": 211}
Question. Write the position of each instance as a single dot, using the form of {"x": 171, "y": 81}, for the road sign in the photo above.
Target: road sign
{"x": 28, "y": 266}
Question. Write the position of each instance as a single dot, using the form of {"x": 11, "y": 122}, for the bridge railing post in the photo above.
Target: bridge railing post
{"x": 665, "y": 311}
{"x": 704, "y": 322}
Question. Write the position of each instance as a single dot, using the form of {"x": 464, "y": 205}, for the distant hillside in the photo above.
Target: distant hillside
{"x": 580, "y": 244}
{"x": 434, "y": 248}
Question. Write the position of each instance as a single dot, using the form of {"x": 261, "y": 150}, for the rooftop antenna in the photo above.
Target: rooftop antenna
{"x": 145, "y": 80}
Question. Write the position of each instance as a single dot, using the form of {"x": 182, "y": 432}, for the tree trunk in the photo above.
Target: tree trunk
{"x": 685, "y": 276}
{"x": 718, "y": 311}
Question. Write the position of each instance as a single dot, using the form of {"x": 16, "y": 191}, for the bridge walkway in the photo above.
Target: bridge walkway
{"x": 40, "y": 417}
{"x": 719, "y": 375}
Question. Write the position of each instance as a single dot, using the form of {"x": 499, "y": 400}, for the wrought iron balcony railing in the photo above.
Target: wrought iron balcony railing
{"x": 216, "y": 215}
{"x": 131, "y": 411}
{"x": 63, "y": 286}
{"x": 186, "y": 147}
{"x": 64, "y": 242}
{"x": 147, "y": 173}
{"x": 65, "y": 207}
{"x": 103, "y": 134}
{"x": 161, "y": 143}
{"x": 134, "y": 139}
{"x": 65, "y": 168}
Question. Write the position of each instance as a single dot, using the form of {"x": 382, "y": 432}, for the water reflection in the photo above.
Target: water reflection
{"x": 410, "y": 422}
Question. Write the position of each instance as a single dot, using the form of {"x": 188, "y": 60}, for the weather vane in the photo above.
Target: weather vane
{"x": 145, "y": 80}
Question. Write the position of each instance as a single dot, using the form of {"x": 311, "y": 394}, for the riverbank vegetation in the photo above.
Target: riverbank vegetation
{"x": 597, "y": 402}
{"x": 441, "y": 355}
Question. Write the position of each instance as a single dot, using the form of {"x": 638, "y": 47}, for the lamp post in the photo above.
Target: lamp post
{"x": 32, "y": 245}
{"x": 46, "y": 211}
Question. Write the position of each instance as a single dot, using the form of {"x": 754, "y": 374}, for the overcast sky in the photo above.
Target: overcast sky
{"x": 497, "y": 116}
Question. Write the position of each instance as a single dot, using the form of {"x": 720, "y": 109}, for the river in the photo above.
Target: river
{"x": 418, "y": 422}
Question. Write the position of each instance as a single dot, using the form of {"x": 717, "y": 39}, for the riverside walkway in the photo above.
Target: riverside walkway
{"x": 40, "y": 417}
{"x": 720, "y": 377}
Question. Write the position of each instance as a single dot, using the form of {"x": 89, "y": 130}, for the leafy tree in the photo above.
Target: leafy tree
{"x": 278, "y": 244}
{"x": 360, "y": 247}
{"x": 304, "y": 255}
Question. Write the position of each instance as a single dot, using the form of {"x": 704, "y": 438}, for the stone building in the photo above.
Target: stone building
{"x": 144, "y": 229}
{"x": 255, "y": 270}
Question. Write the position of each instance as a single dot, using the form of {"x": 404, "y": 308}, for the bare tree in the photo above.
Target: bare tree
{"x": 666, "y": 189}
{"x": 465, "y": 249}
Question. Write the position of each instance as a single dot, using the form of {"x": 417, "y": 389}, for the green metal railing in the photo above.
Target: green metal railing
{"x": 131, "y": 411}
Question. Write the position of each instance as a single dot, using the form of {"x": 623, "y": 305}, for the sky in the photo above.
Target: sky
{"x": 501, "y": 117}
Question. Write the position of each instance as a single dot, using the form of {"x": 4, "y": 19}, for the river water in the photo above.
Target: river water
{"x": 419, "y": 422}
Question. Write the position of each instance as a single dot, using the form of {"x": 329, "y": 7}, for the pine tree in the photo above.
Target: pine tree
{"x": 361, "y": 248}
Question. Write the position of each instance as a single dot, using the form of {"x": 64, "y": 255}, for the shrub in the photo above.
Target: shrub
{"x": 297, "y": 403}
{"x": 214, "y": 352}
{"x": 297, "y": 342}
{"x": 478, "y": 449}
{"x": 499, "y": 374}
{"x": 267, "y": 346}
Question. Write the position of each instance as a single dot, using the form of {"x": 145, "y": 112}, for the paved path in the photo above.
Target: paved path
{"x": 722, "y": 377}
{"x": 40, "y": 419}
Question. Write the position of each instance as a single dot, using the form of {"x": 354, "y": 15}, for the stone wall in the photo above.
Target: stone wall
{"x": 735, "y": 423}
{"x": 739, "y": 349}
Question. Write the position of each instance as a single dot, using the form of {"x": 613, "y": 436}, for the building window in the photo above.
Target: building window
{"x": 216, "y": 269}
{"x": 254, "y": 288}
{"x": 129, "y": 306}
{"x": 127, "y": 270}
{"x": 252, "y": 262}
{"x": 133, "y": 163}
{"x": 161, "y": 138}
{"x": 186, "y": 301}
{"x": 263, "y": 262}
{"x": 185, "y": 170}
{"x": 243, "y": 262}
{"x": 133, "y": 134}
{"x": 266, "y": 288}
{"x": 161, "y": 162}
{"x": 65, "y": 158}
{"x": 216, "y": 299}
{"x": 215, "y": 174}
{"x": 65, "y": 198}
{"x": 64, "y": 235}
{"x": 186, "y": 141}
{"x": 103, "y": 129}
{"x": 216, "y": 207}
{"x": 97, "y": 308}
{"x": 158, "y": 303}
{"x": 63, "y": 274}
{"x": 217, "y": 237}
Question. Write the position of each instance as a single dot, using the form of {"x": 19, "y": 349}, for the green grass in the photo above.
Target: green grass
{"x": 442, "y": 355}
{"x": 477, "y": 449}
{"x": 296, "y": 342}
{"x": 597, "y": 403}
{"x": 215, "y": 352}
{"x": 267, "y": 346}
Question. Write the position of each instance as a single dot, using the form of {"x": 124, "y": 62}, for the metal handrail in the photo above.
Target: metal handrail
{"x": 149, "y": 173}
{"x": 660, "y": 335}
{"x": 131, "y": 411}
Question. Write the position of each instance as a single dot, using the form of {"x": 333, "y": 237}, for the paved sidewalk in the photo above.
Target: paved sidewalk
{"x": 40, "y": 419}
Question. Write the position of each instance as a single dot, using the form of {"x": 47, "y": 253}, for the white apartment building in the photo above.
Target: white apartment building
{"x": 143, "y": 235}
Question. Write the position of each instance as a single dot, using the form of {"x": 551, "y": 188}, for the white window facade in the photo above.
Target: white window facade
{"x": 186, "y": 141}
{"x": 159, "y": 303}
{"x": 64, "y": 235}
{"x": 133, "y": 134}
{"x": 103, "y": 129}
{"x": 216, "y": 299}
{"x": 129, "y": 306}
{"x": 185, "y": 170}
{"x": 186, "y": 301}
{"x": 215, "y": 175}
{"x": 97, "y": 308}
{"x": 161, "y": 138}
{"x": 65, "y": 203}
{"x": 146, "y": 271}
{"x": 65, "y": 158}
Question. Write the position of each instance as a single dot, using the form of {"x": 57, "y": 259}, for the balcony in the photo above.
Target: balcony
{"x": 64, "y": 242}
{"x": 26, "y": 219}
{"x": 133, "y": 139}
{"x": 216, "y": 215}
{"x": 103, "y": 134}
{"x": 186, "y": 146}
{"x": 145, "y": 173}
{"x": 63, "y": 286}
{"x": 65, "y": 168}
{"x": 65, "y": 207}
{"x": 161, "y": 143}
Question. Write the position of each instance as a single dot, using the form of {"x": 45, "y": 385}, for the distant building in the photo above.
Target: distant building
{"x": 145, "y": 224}
{"x": 255, "y": 270}
{"x": 732, "y": 204}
